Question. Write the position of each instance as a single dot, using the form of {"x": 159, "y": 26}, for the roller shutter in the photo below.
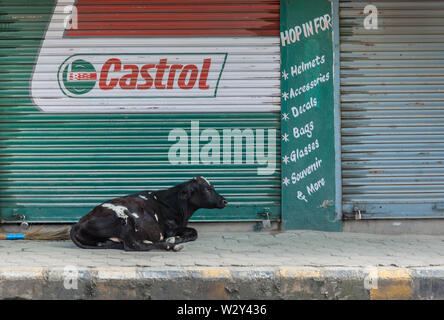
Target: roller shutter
{"x": 63, "y": 153}
{"x": 392, "y": 102}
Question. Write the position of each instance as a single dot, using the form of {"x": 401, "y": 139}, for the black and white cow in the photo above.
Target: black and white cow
{"x": 148, "y": 219}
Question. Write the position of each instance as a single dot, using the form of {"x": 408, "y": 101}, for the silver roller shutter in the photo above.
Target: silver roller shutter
{"x": 392, "y": 110}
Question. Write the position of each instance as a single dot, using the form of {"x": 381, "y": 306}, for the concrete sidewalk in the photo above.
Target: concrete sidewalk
{"x": 255, "y": 265}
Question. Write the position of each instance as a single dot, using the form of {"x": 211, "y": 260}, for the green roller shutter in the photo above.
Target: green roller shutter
{"x": 56, "y": 164}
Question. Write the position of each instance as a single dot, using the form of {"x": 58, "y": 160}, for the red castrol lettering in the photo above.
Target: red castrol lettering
{"x": 161, "y": 76}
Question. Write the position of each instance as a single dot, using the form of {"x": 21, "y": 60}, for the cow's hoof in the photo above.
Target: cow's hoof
{"x": 171, "y": 240}
{"x": 178, "y": 247}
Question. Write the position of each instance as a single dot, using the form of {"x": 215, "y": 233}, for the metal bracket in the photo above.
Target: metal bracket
{"x": 19, "y": 218}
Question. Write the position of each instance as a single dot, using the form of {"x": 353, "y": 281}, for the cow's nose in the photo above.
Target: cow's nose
{"x": 225, "y": 202}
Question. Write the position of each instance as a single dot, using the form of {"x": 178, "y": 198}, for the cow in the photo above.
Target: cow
{"x": 148, "y": 219}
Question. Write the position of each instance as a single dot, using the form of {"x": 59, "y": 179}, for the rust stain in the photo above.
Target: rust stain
{"x": 217, "y": 291}
{"x": 326, "y": 203}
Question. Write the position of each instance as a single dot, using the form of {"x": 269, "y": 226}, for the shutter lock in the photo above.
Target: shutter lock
{"x": 265, "y": 223}
{"x": 358, "y": 213}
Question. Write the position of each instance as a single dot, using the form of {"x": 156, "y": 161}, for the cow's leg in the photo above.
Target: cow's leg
{"x": 181, "y": 235}
{"x": 142, "y": 246}
{"x": 132, "y": 240}
{"x": 109, "y": 244}
{"x": 84, "y": 239}
{"x": 131, "y": 244}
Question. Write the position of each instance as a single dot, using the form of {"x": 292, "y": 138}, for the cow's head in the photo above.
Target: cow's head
{"x": 201, "y": 194}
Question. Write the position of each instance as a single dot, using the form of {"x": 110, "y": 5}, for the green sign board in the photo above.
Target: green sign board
{"x": 307, "y": 125}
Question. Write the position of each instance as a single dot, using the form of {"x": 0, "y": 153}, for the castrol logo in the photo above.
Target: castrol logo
{"x": 126, "y": 61}
{"x": 141, "y": 75}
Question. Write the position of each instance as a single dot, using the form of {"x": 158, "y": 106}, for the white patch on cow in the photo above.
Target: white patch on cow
{"x": 135, "y": 215}
{"x": 147, "y": 242}
{"x": 144, "y": 198}
{"x": 119, "y": 210}
{"x": 155, "y": 198}
{"x": 155, "y": 216}
{"x": 115, "y": 239}
{"x": 161, "y": 237}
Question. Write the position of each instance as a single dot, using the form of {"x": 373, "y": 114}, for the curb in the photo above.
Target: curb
{"x": 288, "y": 283}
